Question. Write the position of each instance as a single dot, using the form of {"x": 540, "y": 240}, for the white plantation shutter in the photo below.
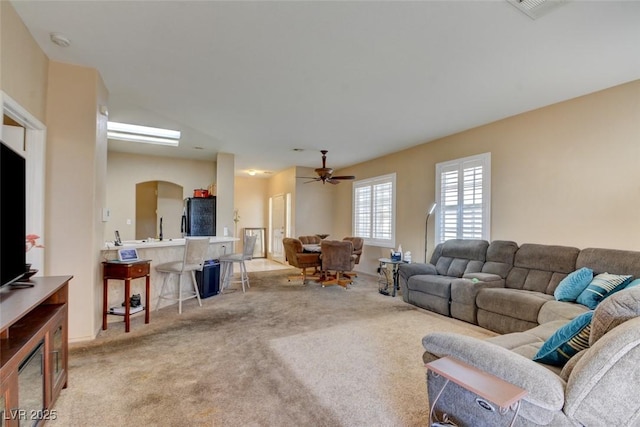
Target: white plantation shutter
{"x": 362, "y": 211}
{"x": 374, "y": 210}
{"x": 463, "y": 197}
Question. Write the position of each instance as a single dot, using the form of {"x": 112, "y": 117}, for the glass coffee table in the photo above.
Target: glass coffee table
{"x": 388, "y": 277}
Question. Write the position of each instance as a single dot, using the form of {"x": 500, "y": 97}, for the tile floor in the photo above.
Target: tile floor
{"x": 264, "y": 264}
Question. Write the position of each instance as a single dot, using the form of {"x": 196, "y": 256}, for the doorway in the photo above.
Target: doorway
{"x": 156, "y": 202}
{"x": 279, "y": 224}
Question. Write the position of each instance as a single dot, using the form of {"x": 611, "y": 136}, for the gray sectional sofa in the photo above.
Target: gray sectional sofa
{"x": 512, "y": 294}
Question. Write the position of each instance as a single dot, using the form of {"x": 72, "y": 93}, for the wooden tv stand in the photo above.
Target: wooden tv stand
{"x": 33, "y": 350}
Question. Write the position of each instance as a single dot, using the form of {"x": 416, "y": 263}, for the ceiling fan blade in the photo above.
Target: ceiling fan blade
{"x": 325, "y": 174}
{"x": 307, "y": 177}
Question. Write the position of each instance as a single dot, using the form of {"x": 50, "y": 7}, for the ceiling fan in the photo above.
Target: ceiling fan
{"x": 325, "y": 174}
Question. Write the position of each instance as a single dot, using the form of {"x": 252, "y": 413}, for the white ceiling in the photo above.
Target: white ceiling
{"x": 360, "y": 79}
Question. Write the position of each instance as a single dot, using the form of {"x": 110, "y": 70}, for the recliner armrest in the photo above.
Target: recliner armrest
{"x": 465, "y": 291}
{"x": 407, "y": 270}
{"x": 545, "y": 389}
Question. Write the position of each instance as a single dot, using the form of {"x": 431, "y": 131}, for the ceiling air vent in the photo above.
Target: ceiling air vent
{"x": 536, "y": 8}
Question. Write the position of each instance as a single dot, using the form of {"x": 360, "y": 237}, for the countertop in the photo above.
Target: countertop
{"x": 143, "y": 244}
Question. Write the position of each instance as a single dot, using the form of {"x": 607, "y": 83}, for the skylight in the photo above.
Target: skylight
{"x": 145, "y": 134}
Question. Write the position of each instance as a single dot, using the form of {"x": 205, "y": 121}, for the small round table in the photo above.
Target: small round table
{"x": 383, "y": 282}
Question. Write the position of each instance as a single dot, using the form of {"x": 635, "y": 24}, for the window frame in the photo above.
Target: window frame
{"x": 371, "y": 183}
{"x": 483, "y": 160}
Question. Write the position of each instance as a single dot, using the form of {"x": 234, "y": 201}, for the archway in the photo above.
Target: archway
{"x": 156, "y": 201}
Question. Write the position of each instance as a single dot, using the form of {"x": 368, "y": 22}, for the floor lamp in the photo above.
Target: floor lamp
{"x": 426, "y": 228}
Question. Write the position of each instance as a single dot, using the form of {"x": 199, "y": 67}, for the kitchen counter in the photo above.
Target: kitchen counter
{"x": 159, "y": 252}
{"x": 142, "y": 244}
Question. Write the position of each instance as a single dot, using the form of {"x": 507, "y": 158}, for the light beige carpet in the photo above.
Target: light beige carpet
{"x": 282, "y": 354}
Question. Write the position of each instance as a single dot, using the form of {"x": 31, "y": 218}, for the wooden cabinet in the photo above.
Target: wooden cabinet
{"x": 33, "y": 352}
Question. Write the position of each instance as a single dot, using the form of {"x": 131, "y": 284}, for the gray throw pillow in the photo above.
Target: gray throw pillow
{"x": 614, "y": 310}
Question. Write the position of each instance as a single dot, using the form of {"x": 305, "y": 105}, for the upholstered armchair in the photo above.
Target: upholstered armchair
{"x": 296, "y": 257}
{"x": 358, "y": 244}
{"x": 337, "y": 256}
{"x": 310, "y": 240}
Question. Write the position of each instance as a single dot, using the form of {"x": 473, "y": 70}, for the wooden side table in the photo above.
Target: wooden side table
{"x": 496, "y": 390}
{"x": 127, "y": 270}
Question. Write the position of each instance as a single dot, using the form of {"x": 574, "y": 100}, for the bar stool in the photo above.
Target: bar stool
{"x": 227, "y": 261}
{"x": 195, "y": 252}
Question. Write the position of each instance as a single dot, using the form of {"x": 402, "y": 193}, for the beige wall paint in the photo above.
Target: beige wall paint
{"x": 225, "y": 194}
{"x": 23, "y": 65}
{"x": 284, "y": 182}
{"x": 100, "y": 193}
{"x": 565, "y": 174}
{"x": 311, "y": 204}
{"x": 147, "y": 210}
{"x": 252, "y": 203}
{"x": 314, "y": 205}
{"x": 76, "y": 147}
{"x": 125, "y": 170}
{"x": 170, "y": 200}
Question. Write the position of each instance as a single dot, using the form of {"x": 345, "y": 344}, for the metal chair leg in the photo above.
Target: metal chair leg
{"x": 180, "y": 294}
{"x": 195, "y": 287}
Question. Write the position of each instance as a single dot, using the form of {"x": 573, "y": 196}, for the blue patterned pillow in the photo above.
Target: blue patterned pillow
{"x": 635, "y": 282}
{"x": 601, "y": 287}
{"x": 566, "y": 341}
{"x": 570, "y": 288}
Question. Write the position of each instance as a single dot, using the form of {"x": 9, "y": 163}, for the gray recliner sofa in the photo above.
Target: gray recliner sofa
{"x": 529, "y": 285}
{"x": 429, "y": 285}
{"x": 598, "y": 386}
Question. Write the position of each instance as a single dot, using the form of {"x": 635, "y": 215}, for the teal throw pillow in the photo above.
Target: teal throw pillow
{"x": 633, "y": 283}
{"x": 570, "y": 288}
{"x": 566, "y": 341}
{"x": 601, "y": 287}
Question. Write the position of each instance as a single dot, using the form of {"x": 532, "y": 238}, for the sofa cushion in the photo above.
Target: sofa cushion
{"x": 456, "y": 257}
{"x": 601, "y": 286}
{"x": 566, "y": 341}
{"x": 570, "y": 288}
{"x": 541, "y": 267}
{"x": 499, "y": 259}
{"x": 558, "y": 310}
{"x": 528, "y": 343}
{"x": 516, "y": 303}
{"x": 618, "y": 261}
{"x": 633, "y": 283}
{"x": 613, "y": 311}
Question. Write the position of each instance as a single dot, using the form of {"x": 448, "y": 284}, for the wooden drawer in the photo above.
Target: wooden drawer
{"x": 114, "y": 270}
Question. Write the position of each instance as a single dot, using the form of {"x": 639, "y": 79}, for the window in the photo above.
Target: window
{"x": 463, "y": 194}
{"x": 374, "y": 210}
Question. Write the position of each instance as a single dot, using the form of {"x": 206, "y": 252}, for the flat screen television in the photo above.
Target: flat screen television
{"x": 12, "y": 215}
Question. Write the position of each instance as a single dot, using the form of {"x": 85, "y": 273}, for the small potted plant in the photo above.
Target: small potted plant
{"x": 31, "y": 242}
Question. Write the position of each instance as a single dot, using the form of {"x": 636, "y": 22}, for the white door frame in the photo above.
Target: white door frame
{"x": 276, "y": 249}
{"x": 34, "y": 151}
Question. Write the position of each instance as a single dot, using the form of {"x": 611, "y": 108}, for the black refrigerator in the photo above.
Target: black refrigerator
{"x": 199, "y": 216}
